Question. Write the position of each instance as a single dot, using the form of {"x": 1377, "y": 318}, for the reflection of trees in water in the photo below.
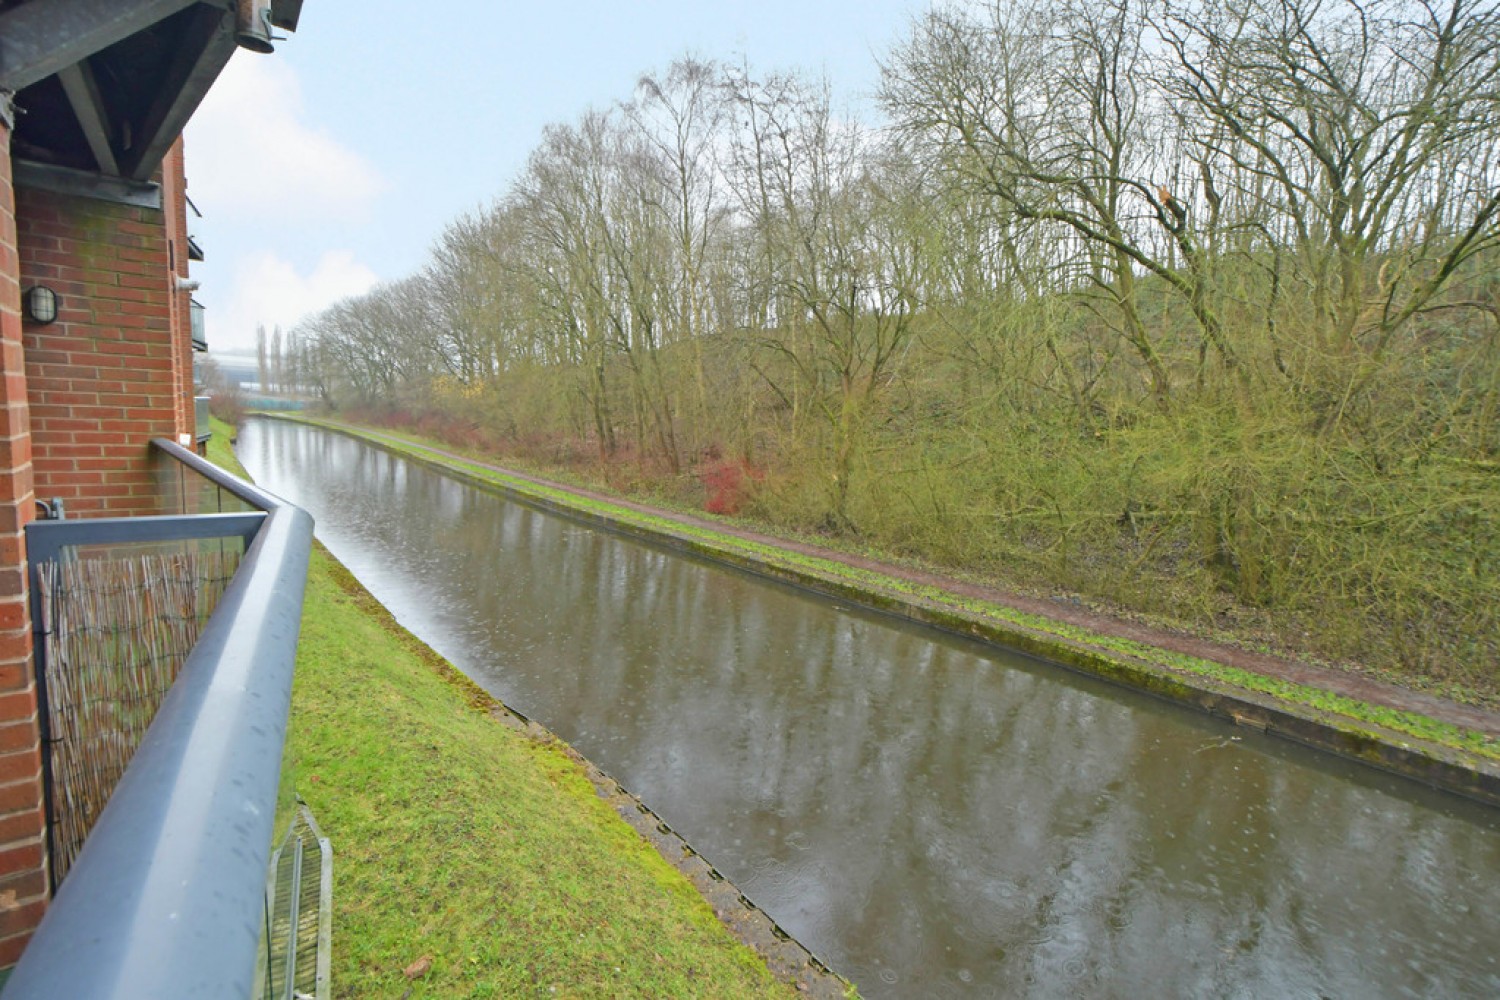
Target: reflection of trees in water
{"x": 900, "y": 800}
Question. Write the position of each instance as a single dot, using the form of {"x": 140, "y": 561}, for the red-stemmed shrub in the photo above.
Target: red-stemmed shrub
{"x": 726, "y": 483}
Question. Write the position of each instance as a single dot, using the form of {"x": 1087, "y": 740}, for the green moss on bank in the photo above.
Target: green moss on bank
{"x": 459, "y": 838}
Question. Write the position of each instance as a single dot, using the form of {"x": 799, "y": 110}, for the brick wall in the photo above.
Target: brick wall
{"x": 23, "y": 877}
{"x": 80, "y": 400}
{"x": 107, "y": 376}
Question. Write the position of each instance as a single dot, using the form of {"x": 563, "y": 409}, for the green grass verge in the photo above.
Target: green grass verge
{"x": 459, "y": 838}
{"x": 1406, "y": 723}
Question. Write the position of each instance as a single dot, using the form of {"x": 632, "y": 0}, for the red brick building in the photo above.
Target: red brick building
{"x": 95, "y": 331}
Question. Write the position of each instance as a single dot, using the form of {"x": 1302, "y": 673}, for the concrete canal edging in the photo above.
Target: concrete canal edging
{"x": 788, "y": 959}
{"x": 1470, "y": 773}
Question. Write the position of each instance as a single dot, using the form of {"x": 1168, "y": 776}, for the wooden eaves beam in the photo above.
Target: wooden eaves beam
{"x": 39, "y": 39}
{"x": 206, "y": 46}
{"x": 83, "y": 94}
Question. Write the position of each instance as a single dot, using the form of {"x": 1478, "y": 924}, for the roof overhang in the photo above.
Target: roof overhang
{"x": 285, "y": 13}
{"x": 104, "y": 87}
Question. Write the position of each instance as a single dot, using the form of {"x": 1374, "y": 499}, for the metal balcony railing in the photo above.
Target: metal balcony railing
{"x": 167, "y": 897}
{"x": 202, "y": 430}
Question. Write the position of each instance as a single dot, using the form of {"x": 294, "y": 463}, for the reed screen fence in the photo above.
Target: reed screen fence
{"x": 117, "y": 632}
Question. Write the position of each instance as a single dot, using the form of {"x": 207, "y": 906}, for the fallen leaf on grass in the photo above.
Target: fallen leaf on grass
{"x": 418, "y": 968}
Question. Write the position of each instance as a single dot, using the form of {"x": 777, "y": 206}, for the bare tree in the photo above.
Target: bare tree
{"x": 1362, "y": 134}
{"x": 681, "y": 115}
{"x": 1043, "y": 108}
{"x": 836, "y": 251}
{"x": 275, "y": 363}
{"x": 262, "y": 367}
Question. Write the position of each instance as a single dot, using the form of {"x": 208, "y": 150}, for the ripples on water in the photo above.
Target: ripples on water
{"x": 931, "y": 817}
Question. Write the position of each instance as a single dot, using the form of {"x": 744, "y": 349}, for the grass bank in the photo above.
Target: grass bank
{"x": 1406, "y": 741}
{"x": 470, "y": 844}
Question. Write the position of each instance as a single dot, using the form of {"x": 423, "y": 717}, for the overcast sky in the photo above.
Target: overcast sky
{"x": 334, "y": 162}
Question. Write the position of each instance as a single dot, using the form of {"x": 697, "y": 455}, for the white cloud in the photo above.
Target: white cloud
{"x": 251, "y": 154}
{"x": 268, "y": 290}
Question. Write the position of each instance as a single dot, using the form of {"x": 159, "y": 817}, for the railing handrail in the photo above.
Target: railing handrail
{"x": 44, "y": 539}
{"x": 248, "y": 492}
{"x": 167, "y": 896}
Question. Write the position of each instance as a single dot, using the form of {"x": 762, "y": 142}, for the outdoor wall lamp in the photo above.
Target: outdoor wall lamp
{"x": 41, "y": 304}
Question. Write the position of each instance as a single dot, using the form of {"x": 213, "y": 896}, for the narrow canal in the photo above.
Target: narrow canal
{"x": 932, "y": 817}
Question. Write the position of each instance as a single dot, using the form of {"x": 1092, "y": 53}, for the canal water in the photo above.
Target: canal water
{"x": 932, "y": 817}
